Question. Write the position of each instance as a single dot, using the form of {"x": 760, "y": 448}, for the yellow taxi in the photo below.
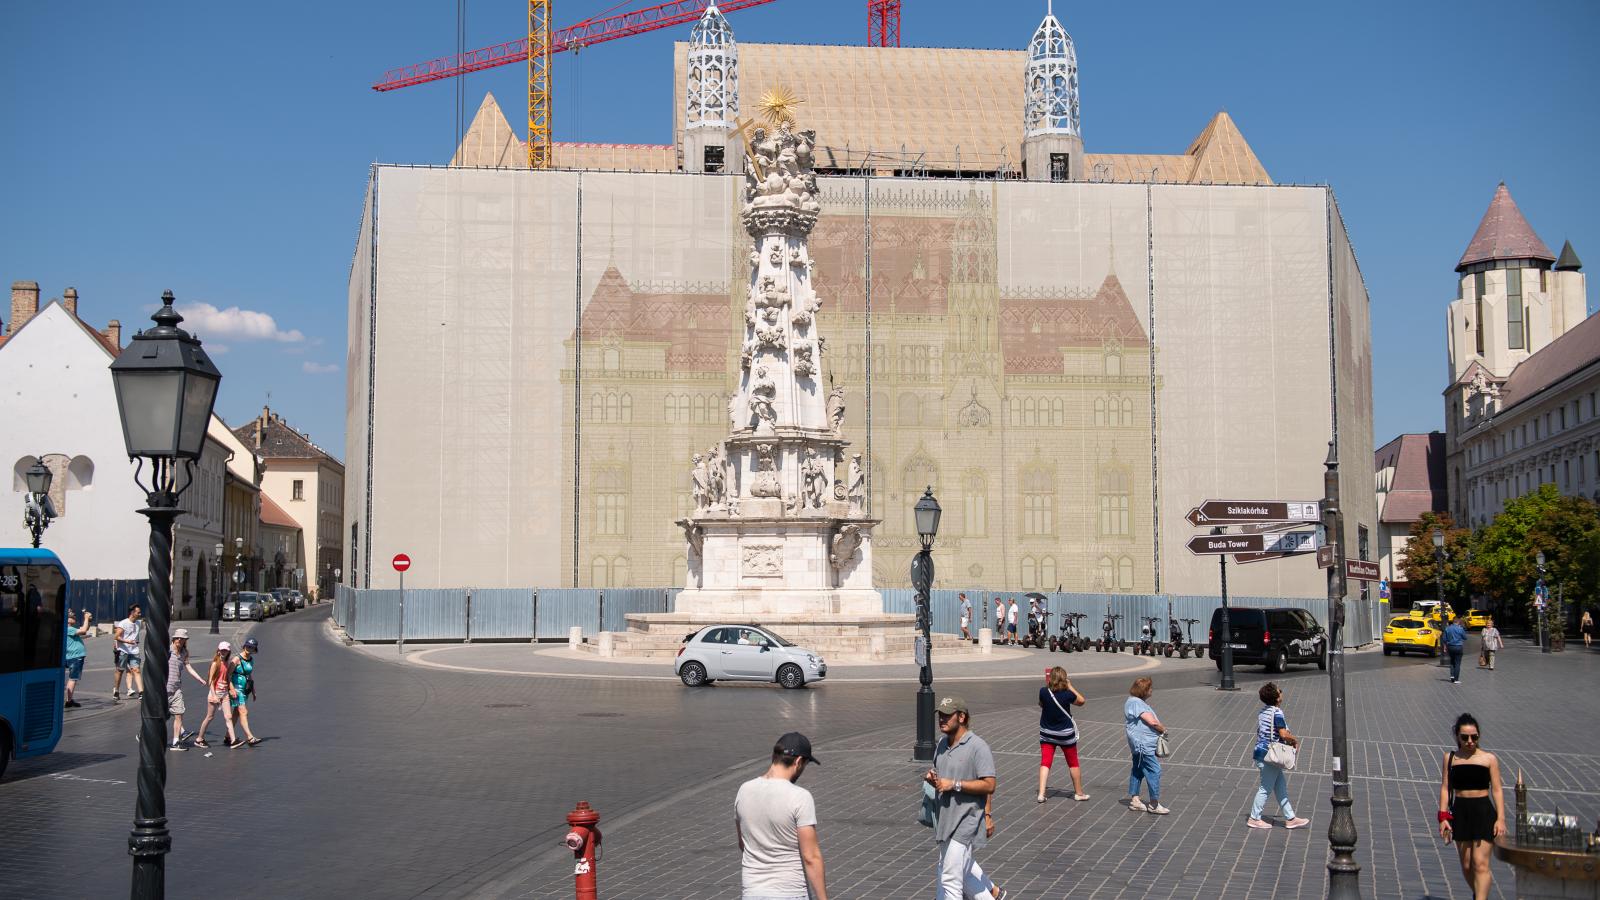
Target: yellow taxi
{"x": 1477, "y": 618}
{"x": 1411, "y": 633}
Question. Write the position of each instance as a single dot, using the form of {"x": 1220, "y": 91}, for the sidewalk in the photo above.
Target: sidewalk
{"x": 867, "y": 795}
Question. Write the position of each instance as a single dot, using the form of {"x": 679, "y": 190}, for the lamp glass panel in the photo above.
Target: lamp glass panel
{"x": 38, "y": 478}
{"x": 149, "y": 403}
{"x": 927, "y": 515}
{"x": 199, "y": 393}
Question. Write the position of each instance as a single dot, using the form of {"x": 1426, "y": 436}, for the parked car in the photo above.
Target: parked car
{"x": 250, "y": 606}
{"x": 289, "y": 599}
{"x": 1271, "y": 637}
{"x": 299, "y": 599}
{"x": 1429, "y": 609}
{"x": 1407, "y": 632}
{"x": 745, "y": 653}
{"x": 270, "y": 605}
{"x": 1477, "y": 619}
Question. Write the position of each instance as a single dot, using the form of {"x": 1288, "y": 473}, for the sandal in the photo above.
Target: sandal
{"x": 1039, "y": 799}
{"x": 1080, "y": 796}
{"x": 253, "y": 741}
{"x": 202, "y": 744}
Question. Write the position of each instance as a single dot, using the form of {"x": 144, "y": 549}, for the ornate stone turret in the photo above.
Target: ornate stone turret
{"x": 1052, "y": 145}
{"x": 712, "y": 102}
{"x": 778, "y": 524}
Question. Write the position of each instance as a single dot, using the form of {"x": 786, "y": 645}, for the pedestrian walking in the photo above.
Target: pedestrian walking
{"x": 776, "y": 823}
{"x": 1000, "y": 620}
{"x": 177, "y": 662}
{"x": 243, "y": 689}
{"x": 125, "y": 655}
{"x": 966, "y": 618}
{"x": 1455, "y": 644}
{"x": 963, "y": 778}
{"x": 75, "y": 652}
{"x": 1471, "y": 811}
{"x": 1057, "y": 731}
{"x": 218, "y": 685}
{"x": 1586, "y": 625}
{"x": 1011, "y": 620}
{"x": 1144, "y": 731}
{"x": 1490, "y": 643}
{"x": 1272, "y": 728}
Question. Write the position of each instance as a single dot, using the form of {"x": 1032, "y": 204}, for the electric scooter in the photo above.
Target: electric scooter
{"x": 1038, "y": 630}
{"x": 1069, "y": 640}
{"x": 1189, "y": 645}
{"x": 1147, "y": 637}
{"x": 1174, "y": 639}
{"x": 1109, "y": 643}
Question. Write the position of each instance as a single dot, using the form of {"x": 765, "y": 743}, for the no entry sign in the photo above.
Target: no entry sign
{"x": 402, "y": 562}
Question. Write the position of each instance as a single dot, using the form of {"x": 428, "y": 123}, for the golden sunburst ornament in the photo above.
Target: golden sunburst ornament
{"x": 778, "y": 105}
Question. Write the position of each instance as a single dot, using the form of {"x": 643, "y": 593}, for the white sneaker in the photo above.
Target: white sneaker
{"x": 1134, "y": 803}
{"x": 1158, "y": 810}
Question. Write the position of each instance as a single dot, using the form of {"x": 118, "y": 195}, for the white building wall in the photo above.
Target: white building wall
{"x": 58, "y": 398}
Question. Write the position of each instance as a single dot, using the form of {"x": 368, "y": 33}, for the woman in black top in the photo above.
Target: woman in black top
{"x": 1056, "y": 729}
{"x": 1470, "y": 808}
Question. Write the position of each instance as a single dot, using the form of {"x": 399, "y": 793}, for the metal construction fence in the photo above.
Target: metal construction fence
{"x": 469, "y": 614}
{"x": 107, "y": 599}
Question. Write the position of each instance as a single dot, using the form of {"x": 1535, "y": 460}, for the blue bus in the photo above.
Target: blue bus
{"x": 33, "y": 604}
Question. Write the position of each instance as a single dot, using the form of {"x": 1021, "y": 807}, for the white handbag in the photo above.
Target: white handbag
{"x": 1281, "y": 755}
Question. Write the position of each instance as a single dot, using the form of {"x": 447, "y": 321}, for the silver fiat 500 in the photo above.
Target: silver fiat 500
{"x": 745, "y": 653}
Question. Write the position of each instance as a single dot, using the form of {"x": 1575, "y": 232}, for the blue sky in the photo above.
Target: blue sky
{"x": 221, "y": 150}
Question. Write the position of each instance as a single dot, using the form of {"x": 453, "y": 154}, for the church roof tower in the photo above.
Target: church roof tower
{"x": 1051, "y": 104}
{"x": 1504, "y": 235}
{"x": 713, "y": 88}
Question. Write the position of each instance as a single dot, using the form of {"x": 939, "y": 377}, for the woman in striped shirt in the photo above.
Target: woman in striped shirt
{"x": 1057, "y": 730}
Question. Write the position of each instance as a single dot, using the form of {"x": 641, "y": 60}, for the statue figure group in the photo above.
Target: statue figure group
{"x": 709, "y": 476}
{"x": 782, "y": 173}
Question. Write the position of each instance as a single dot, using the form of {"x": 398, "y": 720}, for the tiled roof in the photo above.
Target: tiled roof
{"x": 1034, "y": 332}
{"x": 273, "y": 514}
{"x": 1561, "y": 357}
{"x": 269, "y": 437}
{"x": 616, "y": 311}
{"x": 1504, "y": 234}
{"x": 1418, "y": 484}
{"x": 490, "y": 142}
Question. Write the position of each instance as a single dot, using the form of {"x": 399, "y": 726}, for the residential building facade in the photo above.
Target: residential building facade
{"x": 306, "y": 483}
{"x": 1409, "y": 480}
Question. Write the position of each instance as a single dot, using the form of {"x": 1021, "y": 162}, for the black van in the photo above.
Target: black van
{"x": 1272, "y": 637}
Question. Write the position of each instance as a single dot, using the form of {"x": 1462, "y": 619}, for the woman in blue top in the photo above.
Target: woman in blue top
{"x": 242, "y": 683}
{"x": 75, "y": 652}
{"x": 1057, "y": 730}
{"x": 1143, "y": 729}
{"x": 1271, "y": 727}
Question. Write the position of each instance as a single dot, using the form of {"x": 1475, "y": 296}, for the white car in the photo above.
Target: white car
{"x": 745, "y": 653}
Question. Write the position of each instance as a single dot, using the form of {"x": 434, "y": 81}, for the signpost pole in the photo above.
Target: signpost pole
{"x": 1227, "y": 631}
{"x": 1343, "y": 870}
{"x": 400, "y": 644}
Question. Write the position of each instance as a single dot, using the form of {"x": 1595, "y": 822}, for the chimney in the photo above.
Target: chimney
{"x": 24, "y": 303}
{"x": 113, "y": 333}
{"x": 69, "y": 299}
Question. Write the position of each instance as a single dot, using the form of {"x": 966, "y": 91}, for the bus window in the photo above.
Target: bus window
{"x": 32, "y": 601}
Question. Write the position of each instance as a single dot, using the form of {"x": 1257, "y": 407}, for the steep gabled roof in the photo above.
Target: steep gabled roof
{"x": 100, "y": 340}
{"x": 1222, "y": 156}
{"x": 489, "y": 140}
{"x": 1561, "y": 357}
{"x": 1034, "y": 332}
{"x": 273, "y": 514}
{"x": 1418, "y": 485}
{"x": 1504, "y": 234}
{"x": 269, "y": 437}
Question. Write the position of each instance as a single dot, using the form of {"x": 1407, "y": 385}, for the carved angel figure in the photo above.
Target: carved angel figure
{"x": 857, "y": 492}
{"x": 717, "y": 470}
{"x": 776, "y": 256}
{"x": 766, "y": 480}
{"x": 762, "y": 393}
{"x": 796, "y": 259}
{"x": 813, "y": 480}
{"x": 805, "y": 364}
{"x": 770, "y": 336}
{"x": 806, "y": 308}
{"x": 846, "y": 544}
{"x": 836, "y": 407}
{"x": 700, "y": 487}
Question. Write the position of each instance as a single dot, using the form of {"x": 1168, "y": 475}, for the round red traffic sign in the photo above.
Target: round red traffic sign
{"x": 402, "y": 562}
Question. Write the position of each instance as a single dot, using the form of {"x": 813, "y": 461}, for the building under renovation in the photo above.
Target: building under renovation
{"x": 1071, "y": 347}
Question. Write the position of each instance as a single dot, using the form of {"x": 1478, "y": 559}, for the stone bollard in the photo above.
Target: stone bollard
{"x": 986, "y": 641}
{"x": 574, "y": 637}
{"x": 608, "y": 644}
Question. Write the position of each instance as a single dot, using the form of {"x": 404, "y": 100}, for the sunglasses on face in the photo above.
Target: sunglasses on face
{"x": 1467, "y": 737}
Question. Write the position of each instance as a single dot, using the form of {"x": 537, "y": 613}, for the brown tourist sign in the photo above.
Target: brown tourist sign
{"x": 1284, "y": 542}
{"x": 1361, "y": 570}
{"x": 1235, "y": 512}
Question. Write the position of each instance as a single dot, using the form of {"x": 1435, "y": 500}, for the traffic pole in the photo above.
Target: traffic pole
{"x": 400, "y": 642}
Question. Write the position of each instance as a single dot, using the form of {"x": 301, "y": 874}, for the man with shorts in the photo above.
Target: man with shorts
{"x": 776, "y": 823}
{"x": 1011, "y": 620}
{"x": 966, "y": 618}
{"x": 125, "y": 655}
{"x": 76, "y": 652}
{"x": 177, "y": 661}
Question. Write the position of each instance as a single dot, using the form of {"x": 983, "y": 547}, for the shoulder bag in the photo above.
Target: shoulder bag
{"x": 1163, "y": 749}
{"x": 930, "y": 806}
{"x": 1281, "y": 755}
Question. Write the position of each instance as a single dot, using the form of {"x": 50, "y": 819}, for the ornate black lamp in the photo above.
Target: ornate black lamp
{"x": 1438, "y": 579}
{"x": 38, "y": 510}
{"x": 926, "y": 513}
{"x": 166, "y": 386}
{"x": 216, "y": 601}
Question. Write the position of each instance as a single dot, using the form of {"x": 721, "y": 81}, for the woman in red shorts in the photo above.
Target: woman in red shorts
{"x": 1057, "y": 730}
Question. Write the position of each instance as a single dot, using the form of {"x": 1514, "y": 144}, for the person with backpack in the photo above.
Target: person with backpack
{"x": 217, "y": 688}
{"x": 243, "y": 690}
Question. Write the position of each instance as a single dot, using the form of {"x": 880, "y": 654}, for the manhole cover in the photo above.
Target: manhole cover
{"x": 596, "y": 715}
{"x": 504, "y": 705}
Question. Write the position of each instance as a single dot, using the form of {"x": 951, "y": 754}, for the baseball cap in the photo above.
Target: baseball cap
{"x": 951, "y": 705}
{"x": 181, "y": 633}
{"x": 796, "y": 745}
{"x": 225, "y": 647}
{"x": 251, "y": 645}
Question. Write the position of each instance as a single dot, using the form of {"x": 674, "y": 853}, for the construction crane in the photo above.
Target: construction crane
{"x": 883, "y": 18}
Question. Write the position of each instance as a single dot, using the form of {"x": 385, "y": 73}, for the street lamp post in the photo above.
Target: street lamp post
{"x": 927, "y": 516}
{"x": 216, "y": 604}
{"x": 1344, "y": 872}
{"x": 165, "y": 386}
{"x": 1439, "y": 558}
{"x": 238, "y": 574}
{"x": 38, "y": 510}
{"x": 1542, "y": 601}
{"x": 1227, "y": 632}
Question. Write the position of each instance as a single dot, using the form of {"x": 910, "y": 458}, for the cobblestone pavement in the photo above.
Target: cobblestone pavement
{"x": 385, "y": 780}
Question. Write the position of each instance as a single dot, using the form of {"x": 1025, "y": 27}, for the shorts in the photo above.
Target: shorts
{"x": 175, "y": 705}
{"x": 1047, "y": 754}
{"x": 75, "y": 668}
{"x": 1012, "y": 628}
{"x": 125, "y": 661}
{"x": 965, "y": 621}
{"x": 217, "y": 697}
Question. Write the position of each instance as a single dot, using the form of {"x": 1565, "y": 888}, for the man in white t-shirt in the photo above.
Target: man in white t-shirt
{"x": 1011, "y": 619}
{"x": 776, "y": 821}
{"x": 125, "y": 656}
{"x": 966, "y": 618}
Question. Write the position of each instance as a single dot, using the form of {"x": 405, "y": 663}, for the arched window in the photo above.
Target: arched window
{"x": 1127, "y": 411}
{"x": 1058, "y": 412}
{"x": 919, "y": 474}
{"x": 80, "y": 473}
{"x": 621, "y": 575}
{"x": 1047, "y": 573}
{"x": 697, "y": 414}
{"x": 1030, "y": 411}
{"x": 597, "y": 572}
{"x": 597, "y": 408}
{"x": 1125, "y": 574}
{"x": 1038, "y": 501}
{"x": 1115, "y": 488}
{"x": 611, "y": 359}
{"x": 610, "y": 502}
{"x": 627, "y": 407}
{"x": 974, "y": 503}
{"x": 613, "y": 408}
{"x": 1014, "y": 411}
{"x": 1100, "y": 411}
{"x": 1113, "y": 362}
{"x": 1106, "y": 574}
{"x": 1030, "y": 573}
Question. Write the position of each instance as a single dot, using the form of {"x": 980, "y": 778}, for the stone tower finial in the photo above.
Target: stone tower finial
{"x": 1051, "y": 105}
{"x": 713, "y": 90}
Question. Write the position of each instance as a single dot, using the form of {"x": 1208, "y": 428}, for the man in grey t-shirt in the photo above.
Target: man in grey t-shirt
{"x": 963, "y": 774}
{"x": 776, "y": 821}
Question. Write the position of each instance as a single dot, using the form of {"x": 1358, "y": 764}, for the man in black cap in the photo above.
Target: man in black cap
{"x": 776, "y": 821}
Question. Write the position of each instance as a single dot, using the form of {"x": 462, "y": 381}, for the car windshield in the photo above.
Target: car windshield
{"x": 1404, "y": 623}
{"x": 777, "y": 640}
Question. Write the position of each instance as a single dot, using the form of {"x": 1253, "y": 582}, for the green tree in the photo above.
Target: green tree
{"x": 1565, "y": 529}
{"x": 1463, "y": 576}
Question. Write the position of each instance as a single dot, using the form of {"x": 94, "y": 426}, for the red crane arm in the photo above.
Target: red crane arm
{"x": 589, "y": 31}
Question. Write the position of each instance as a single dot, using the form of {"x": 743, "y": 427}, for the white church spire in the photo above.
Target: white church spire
{"x": 1051, "y": 104}
{"x": 713, "y": 88}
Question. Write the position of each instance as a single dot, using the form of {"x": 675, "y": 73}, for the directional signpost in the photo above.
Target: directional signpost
{"x": 1238, "y": 512}
{"x": 401, "y": 563}
{"x": 1362, "y": 570}
{"x": 1281, "y": 542}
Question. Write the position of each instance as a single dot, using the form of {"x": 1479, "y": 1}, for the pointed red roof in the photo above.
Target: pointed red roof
{"x": 1504, "y": 234}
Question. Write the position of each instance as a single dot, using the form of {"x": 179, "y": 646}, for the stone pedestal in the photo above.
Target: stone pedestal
{"x": 1551, "y": 874}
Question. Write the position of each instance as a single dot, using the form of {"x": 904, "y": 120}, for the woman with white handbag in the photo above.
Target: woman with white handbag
{"x": 1275, "y": 755}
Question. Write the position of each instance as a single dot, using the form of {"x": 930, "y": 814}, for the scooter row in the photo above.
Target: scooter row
{"x": 1071, "y": 638}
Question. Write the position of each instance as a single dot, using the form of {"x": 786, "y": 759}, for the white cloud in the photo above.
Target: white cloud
{"x": 207, "y": 321}
{"x": 311, "y": 368}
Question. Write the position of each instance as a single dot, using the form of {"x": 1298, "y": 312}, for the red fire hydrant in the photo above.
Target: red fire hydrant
{"x": 584, "y": 841}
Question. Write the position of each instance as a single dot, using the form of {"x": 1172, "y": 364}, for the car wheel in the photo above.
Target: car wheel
{"x": 1322, "y": 658}
{"x": 790, "y": 676}
{"x": 1387, "y": 651}
{"x": 1218, "y": 661}
{"x": 1278, "y": 662}
{"x": 693, "y": 674}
